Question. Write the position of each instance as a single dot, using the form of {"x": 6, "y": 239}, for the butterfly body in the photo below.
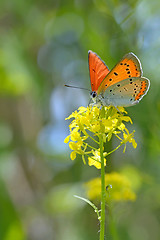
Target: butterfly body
{"x": 122, "y": 86}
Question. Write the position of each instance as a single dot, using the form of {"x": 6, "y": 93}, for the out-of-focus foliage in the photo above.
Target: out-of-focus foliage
{"x": 43, "y": 45}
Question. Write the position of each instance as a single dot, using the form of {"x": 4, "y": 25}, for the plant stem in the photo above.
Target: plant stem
{"x": 91, "y": 204}
{"x": 103, "y": 190}
{"x": 114, "y": 149}
{"x": 85, "y": 133}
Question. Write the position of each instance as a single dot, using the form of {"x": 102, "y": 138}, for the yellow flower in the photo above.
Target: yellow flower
{"x": 128, "y": 137}
{"x": 88, "y": 124}
{"x": 120, "y": 188}
{"x": 76, "y": 146}
{"x": 75, "y": 135}
{"x": 95, "y": 160}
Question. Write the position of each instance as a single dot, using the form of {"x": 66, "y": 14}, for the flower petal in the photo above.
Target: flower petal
{"x": 66, "y": 140}
{"x": 73, "y": 155}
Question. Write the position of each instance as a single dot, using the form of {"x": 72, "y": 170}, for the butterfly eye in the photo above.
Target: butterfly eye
{"x": 93, "y": 94}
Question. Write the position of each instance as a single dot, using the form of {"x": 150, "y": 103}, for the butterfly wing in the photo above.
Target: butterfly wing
{"x": 97, "y": 70}
{"x": 129, "y": 66}
{"x": 126, "y": 92}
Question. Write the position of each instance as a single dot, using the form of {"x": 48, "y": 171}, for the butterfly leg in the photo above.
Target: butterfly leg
{"x": 118, "y": 110}
{"x": 90, "y": 102}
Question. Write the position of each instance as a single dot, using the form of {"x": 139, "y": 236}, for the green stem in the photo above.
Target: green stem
{"x": 114, "y": 149}
{"x": 91, "y": 147}
{"x": 103, "y": 190}
{"x": 91, "y": 204}
{"x": 85, "y": 133}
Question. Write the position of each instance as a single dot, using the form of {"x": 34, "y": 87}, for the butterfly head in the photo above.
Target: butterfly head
{"x": 93, "y": 94}
{"x": 97, "y": 99}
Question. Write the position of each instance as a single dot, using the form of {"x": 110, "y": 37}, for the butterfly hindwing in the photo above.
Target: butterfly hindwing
{"x": 97, "y": 70}
{"x": 126, "y": 92}
{"x": 128, "y": 67}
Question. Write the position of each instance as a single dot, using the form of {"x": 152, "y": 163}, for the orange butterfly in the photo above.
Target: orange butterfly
{"x": 122, "y": 86}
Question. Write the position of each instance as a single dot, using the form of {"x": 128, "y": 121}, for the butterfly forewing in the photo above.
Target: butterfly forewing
{"x": 128, "y": 67}
{"x": 127, "y": 92}
{"x": 97, "y": 70}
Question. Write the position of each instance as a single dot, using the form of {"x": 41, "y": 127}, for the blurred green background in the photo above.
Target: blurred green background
{"x": 44, "y": 45}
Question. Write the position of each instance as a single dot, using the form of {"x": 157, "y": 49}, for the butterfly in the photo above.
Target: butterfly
{"x": 123, "y": 86}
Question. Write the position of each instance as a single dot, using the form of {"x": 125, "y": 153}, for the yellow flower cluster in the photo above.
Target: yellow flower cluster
{"x": 119, "y": 188}
{"x": 90, "y": 123}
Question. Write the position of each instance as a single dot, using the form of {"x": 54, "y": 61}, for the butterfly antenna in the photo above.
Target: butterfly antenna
{"x": 76, "y": 87}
